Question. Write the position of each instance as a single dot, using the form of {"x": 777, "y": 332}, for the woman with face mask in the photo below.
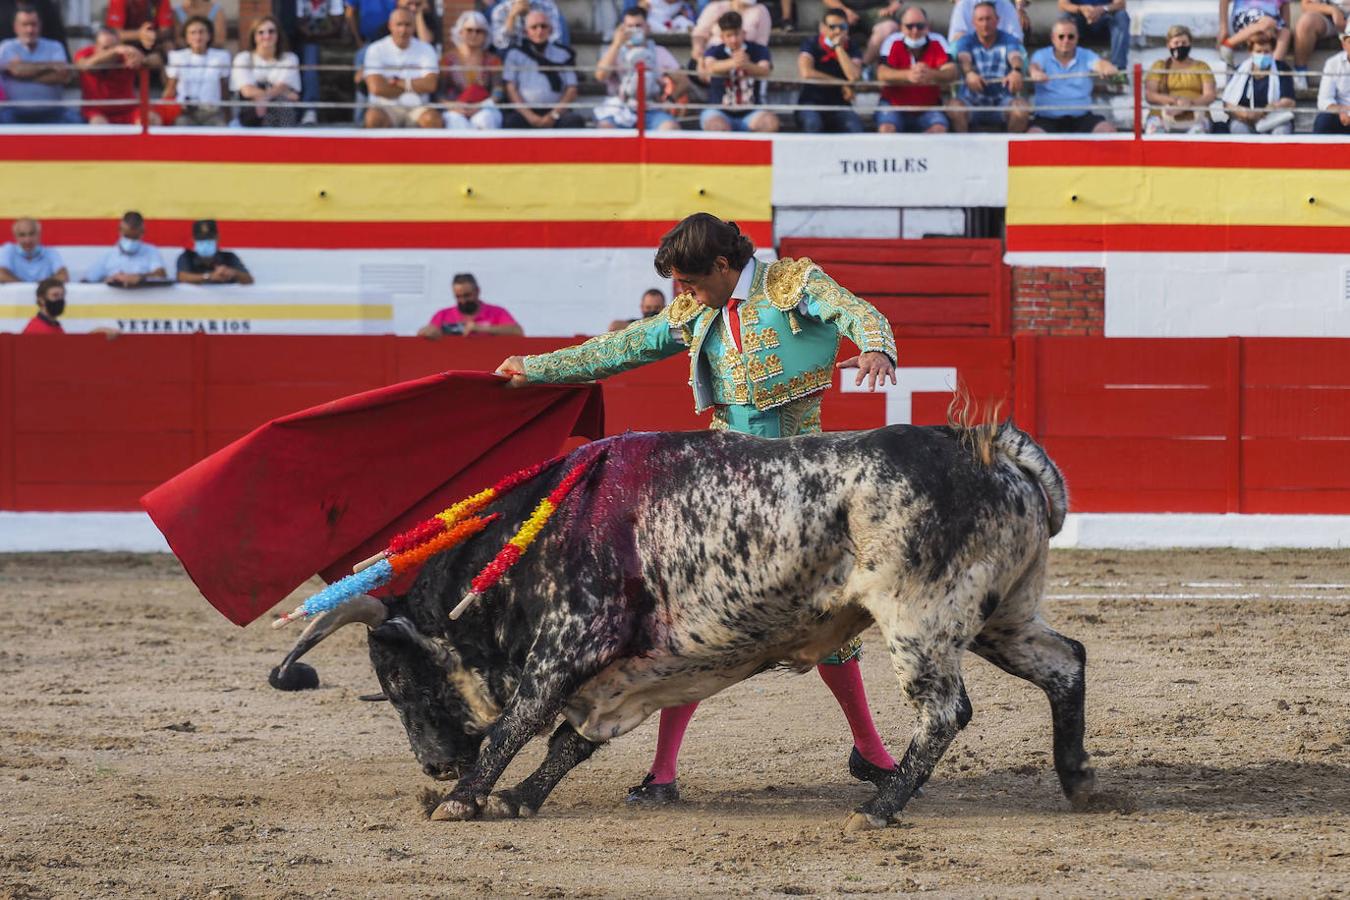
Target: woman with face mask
{"x": 1179, "y": 88}
{"x": 1259, "y": 97}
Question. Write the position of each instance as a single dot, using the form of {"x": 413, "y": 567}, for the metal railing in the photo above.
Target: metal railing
{"x": 1134, "y": 82}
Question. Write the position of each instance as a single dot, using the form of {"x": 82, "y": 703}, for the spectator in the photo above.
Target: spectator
{"x": 509, "y": 20}
{"x": 368, "y": 20}
{"x": 51, "y": 302}
{"x": 132, "y": 261}
{"x": 755, "y": 19}
{"x": 470, "y": 315}
{"x": 1317, "y": 20}
{"x": 1333, "y": 94}
{"x": 546, "y": 95}
{"x": 963, "y": 20}
{"x": 1180, "y": 88}
{"x": 426, "y": 24}
{"x": 209, "y": 10}
{"x": 268, "y": 76}
{"x": 1095, "y": 17}
{"x": 916, "y": 69}
{"x": 107, "y": 70}
{"x": 826, "y": 63}
{"x": 1256, "y": 102}
{"x": 33, "y": 71}
{"x": 206, "y": 263}
{"x": 632, "y": 44}
{"x": 736, "y": 69}
{"x": 471, "y": 78}
{"x": 874, "y": 18}
{"x": 147, "y": 25}
{"x": 784, "y": 14}
{"x": 1241, "y": 20}
{"x": 26, "y": 259}
{"x": 653, "y": 301}
{"x": 400, "y": 74}
{"x": 1063, "y": 74}
{"x": 49, "y": 11}
{"x": 195, "y": 78}
{"x": 668, "y": 16}
{"x": 310, "y": 25}
{"x": 990, "y": 60}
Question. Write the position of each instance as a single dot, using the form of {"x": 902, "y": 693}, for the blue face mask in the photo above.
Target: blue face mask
{"x": 129, "y": 245}
{"x": 205, "y": 248}
{"x": 1261, "y": 61}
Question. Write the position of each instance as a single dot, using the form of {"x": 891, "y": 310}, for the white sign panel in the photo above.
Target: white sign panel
{"x": 890, "y": 170}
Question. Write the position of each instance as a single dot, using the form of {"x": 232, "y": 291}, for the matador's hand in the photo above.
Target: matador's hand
{"x": 513, "y": 367}
{"x": 873, "y": 366}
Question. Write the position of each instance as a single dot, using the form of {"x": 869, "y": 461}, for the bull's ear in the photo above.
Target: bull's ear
{"x": 397, "y": 630}
{"x": 292, "y": 675}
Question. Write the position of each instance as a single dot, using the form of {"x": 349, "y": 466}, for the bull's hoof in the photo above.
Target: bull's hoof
{"x": 452, "y": 810}
{"x": 505, "y": 805}
{"x": 861, "y": 821}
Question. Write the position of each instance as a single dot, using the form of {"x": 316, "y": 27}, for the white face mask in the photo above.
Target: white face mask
{"x": 914, "y": 43}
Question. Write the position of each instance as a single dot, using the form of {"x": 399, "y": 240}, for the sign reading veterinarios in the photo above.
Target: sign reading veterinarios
{"x": 215, "y": 309}
{"x": 890, "y": 170}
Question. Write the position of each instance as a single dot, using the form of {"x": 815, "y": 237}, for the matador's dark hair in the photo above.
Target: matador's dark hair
{"x": 694, "y": 245}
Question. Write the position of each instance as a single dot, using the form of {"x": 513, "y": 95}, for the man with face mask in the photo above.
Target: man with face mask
{"x": 914, "y": 73}
{"x": 51, "y": 302}
{"x": 762, "y": 340}
{"x": 26, "y": 259}
{"x": 653, "y": 301}
{"x": 132, "y": 261}
{"x": 470, "y": 315}
{"x": 206, "y": 263}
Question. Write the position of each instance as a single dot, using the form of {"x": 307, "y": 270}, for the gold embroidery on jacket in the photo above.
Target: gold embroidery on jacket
{"x": 774, "y": 364}
{"x": 785, "y": 280}
{"x": 763, "y": 339}
{"x": 808, "y": 382}
{"x": 800, "y": 416}
{"x": 683, "y": 309}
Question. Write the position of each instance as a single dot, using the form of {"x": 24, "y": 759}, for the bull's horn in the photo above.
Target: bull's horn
{"x": 364, "y": 609}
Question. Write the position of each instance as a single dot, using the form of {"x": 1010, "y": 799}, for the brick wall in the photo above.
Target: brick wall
{"x": 1056, "y": 300}
{"x": 249, "y": 11}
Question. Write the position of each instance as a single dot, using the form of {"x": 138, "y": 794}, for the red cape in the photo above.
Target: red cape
{"x": 322, "y": 489}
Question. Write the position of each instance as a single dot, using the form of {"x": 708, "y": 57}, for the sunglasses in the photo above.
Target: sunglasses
{"x": 474, "y": 30}
{"x": 834, "y": 27}
{"x": 915, "y": 26}
{"x": 1066, "y": 37}
{"x": 540, "y": 27}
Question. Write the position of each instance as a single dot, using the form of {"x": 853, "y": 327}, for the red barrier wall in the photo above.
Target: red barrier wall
{"x": 1228, "y": 425}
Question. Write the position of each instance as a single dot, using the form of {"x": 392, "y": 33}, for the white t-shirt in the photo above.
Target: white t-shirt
{"x": 414, "y": 61}
{"x": 251, "y": 69}
{"x": 198, "y": 77}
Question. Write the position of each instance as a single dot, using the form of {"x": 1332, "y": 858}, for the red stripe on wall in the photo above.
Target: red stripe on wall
{"x": 1150, "y": 238}
{"x": 385, "y": 235}
{"x": 369, "y": 149}
{"x": 1212, "y": 154}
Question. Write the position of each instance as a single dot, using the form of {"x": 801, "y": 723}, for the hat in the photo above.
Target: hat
{"x": 204, "y": 229}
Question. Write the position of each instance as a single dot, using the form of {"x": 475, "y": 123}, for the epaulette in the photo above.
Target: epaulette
{"x": 683, "y": 309}
{"x": 785, "y": 279}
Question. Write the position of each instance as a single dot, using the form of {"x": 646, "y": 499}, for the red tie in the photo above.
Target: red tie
{"x": 734, "y": 322}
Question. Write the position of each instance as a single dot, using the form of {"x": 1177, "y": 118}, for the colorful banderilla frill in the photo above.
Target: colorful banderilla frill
{"x": 414, "y": 547}
{"x": 511, "y": 553}
{"x": 446, "y": 529}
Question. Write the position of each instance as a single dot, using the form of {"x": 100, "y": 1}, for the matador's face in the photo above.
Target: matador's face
{"x": 712, "y": 289}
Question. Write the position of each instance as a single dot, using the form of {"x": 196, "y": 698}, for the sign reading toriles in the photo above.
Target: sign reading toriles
{"x": 890, "y": 171}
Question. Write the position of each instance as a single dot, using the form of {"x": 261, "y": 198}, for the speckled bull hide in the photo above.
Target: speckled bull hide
{"x": 687, "y": 562}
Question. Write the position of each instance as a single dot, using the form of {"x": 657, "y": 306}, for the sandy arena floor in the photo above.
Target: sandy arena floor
{"x": 143, "y": 754}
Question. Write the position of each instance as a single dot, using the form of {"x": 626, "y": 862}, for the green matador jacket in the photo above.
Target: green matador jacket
{"x": 790, "y": 329}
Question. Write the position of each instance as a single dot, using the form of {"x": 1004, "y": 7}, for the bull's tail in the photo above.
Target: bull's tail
{"x": 1015, "y": 444}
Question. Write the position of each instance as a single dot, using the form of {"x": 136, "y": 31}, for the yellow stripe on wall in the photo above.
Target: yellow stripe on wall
{"x": 385, "y": 193}
{"x": 1140, "y": 195}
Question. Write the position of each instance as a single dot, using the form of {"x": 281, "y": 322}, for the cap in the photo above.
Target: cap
{"x": 204, "y": 229}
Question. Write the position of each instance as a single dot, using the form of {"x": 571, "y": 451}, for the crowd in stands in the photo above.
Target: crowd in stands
{"x": 510, "y": 64}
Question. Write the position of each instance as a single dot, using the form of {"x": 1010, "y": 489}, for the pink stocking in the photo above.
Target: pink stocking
{"x": 845, "y": 682}
{"x": 674, "y": 720}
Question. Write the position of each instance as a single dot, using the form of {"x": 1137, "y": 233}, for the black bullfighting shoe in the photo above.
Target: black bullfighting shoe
{"x": 648, "y": 794}
{"x": 863, "y": 770}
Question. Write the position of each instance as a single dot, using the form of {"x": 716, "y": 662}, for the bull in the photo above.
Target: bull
{"x": 688, "y": 562}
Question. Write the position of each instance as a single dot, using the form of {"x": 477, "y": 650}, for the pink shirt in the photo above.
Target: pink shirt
{"x": 487, "y": 315}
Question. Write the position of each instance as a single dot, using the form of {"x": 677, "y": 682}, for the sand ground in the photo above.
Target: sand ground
{"x": 143, "y": 754}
